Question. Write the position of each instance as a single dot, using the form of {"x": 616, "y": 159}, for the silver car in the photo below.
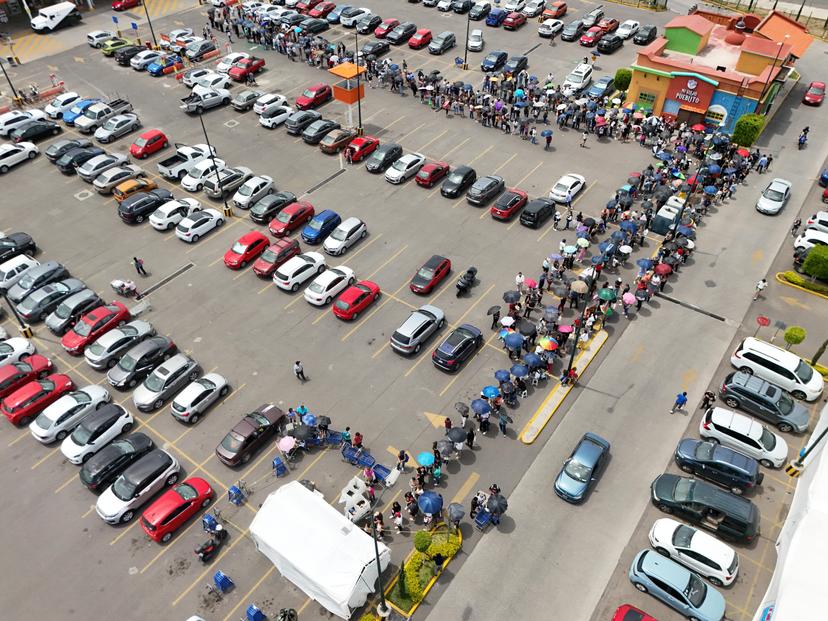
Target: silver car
{"x": 164, "y": 382}
{"x": 45, "y": 299}
{"x": 420, "y": 325}
{"x": 229, "y": 180}
{"x": 197, "y": 397}
{"x": 107, "y": 180}
{"x": 70, "y": 309}
{"x": 90, "y": 169}
{"x": 61, "y": 417}
{"x": 119, "y": 125}
{"x": 105, "y": 352}
{"x": 774, "y": 197}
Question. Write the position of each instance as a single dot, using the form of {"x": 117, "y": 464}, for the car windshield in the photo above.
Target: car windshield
{"x": 123, "y": 489}
{"x": 560, "y": 188}
{"x": 258, "y": 420}
{"x": 154, "y": 382}
{"x": 268, "y": 256}
{"x": 239, "y": 248}
{"x": 186, "y": 491}
{"x": 315, "y": 224}
{"x": 232, "y": 443}
{"x": 63, "y": 311}
{"x": 577, "y": 470}
{"x": 767, "y": 440}
{"x": 140, "y": 142}
{"x": 283, "y": 217}
{"x": 316, "y": 287}
{"x": 81, "y": 435}
{"x": 804, "y": 371}
{"x": 814, "y": 90}
{"x": 785, "y": 404}
{"x": 696, "y": 590}
{"x": 339, "y": 234}
{"x": 682, "y": 536}
{"x": 342, "y": 305}
{"x": 96, "y": 349}
{"x": 575, "y": 78}
{"x": 425, "y": 273}
{"x": 683, "y": 490}
{"x": 111, "y": 124}
{"x": 207, "y": 384}
{"x": 246, "y": 190}
{"x": 704, "y": 451}
{"x": 309, "y": 93}
{"x": 401, "y": 164}
{"x": 43, "y": 421}
{"x": 127, "y": 363}
{"x": 82, "y": 328}
{"x": 773, "y": 195}
{"x": 455, "y": 177}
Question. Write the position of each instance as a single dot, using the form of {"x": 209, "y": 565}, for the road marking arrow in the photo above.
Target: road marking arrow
{"x": 794, "y": 302}
{"x": 437, "y": 420}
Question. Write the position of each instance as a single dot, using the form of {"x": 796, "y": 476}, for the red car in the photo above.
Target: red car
{"x": 608, "y": 25}
{"x": 94, "y": 323}
{"x": 291, "y": 218}
{"x": 247, "y": 247}
{"x": 430, "y": 274}
{"x": 361, "y": 147}
{"x": 815, "y": 94}
{"x": 420, "y": 39}
{"x": 16, "y": 374}
{"x": 556, "y": 9}
{"x": 149, "y": 142}
{"x": 274, "y": 256}
{"x": 431, "y": 173}
{"x": 514, "y": 21}
{"x": 322, "y": 9}
{"x": 381, "y": 31}
{"x": 508, "y": 204}
{"x": 306, "y": 5}
{"x": 174, "y": 507}
{"x": 246, "y": 67}
{"x": 631, "y": 613}
{"x": 21, "y": 406}
{"x": 123, "y": 5}
{"x": 314, "y": 96}
{"x": 356, "y": 299}
{"x": 592, "y": 36}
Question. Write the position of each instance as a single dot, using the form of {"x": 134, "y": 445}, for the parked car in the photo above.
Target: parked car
{"x": 139, "y": 361}
{"x": 246, "y": 249}
{"x": 101, "y": 470}
{"x": 290, "y": 218}
{"x": 25, "y": 403}
{"x": 14, "y": 375}
{"x": 537, "y": 212}
{"x": 416, "y": 41}
{"x": 110, "y": 179}
{"x": 337, "y": 140}
{"x": 298, "y": 270}
{"x": 628, "y": 29}
{"x": 314, "y": 96}
{"x": 195, "y": 226}
{"x": 815, "y": 94}
{"x": 267, "y": 207}
{"x": 485, "y": 189}
{"x": 175, "y": 507}
{"x": 95, "y": 431}
{"x": 92, "y": 325}
{"x": 610, "y": 43}
{"x": 191, "y": 403}
{"x": 764, "y": 400}
{"x": 646, "y": 34}
{"x": 136, "y": 208}
{"x": 168, "y": 215}
{"x": 34, "y": 131}
{"x": 164, "y": 382}
{"x": 382, "y": 157}
{"x": 345, "y": 235}
{"x": 494, "y": 61}
{"x": 458, "y": 181}
{"x": 514, "y": 20}
{"x": 15, "y": 349}
{"x": 508, "y": 204}
{"x": 582, "y": 468}
{"x": 402, "y": 33}
{"x": 568, "y": 185}
{"x": 105, "y": 352}
{"x": 430, "y": 275}
{"x": 34, "y": 278}
{"x": 320, "y": 226}
{"x": 696, "y": 550}
{"x": 59, "y": 419}
{"x": 457, "y": 348}
{"x": 719, "y": 464}
{"x": 327, "y": 285}
{"x": 355, "y": 299}
{"x": 783, "y": 368}
{"x": 250, "y": 434}
{"x": 275, "y": 255}
{"x": 443, "y": 42}
{"x": 550, "y": 28}
{"x": 415, "y": 331}
{"x": 42, "y": 301}
{"x": 431, "y": 173}
{"x": 316, "y": 131}
{"x": 252, "y": 190}
{"x": 149, "y": 142}
{"x": 404, "y": 168}
{"x": 475, "y": 41}
{"x": 745, "y": 435}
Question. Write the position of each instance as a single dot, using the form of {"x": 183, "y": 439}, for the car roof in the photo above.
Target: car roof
{"x": 145, "y": 466}
{"x": 102, "y": 416}
{"x": 654, "y": 564}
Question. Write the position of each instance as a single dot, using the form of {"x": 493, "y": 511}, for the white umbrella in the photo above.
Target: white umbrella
{"x": 507, "y": 322}
{"x": 625, "y": 249}
{"x": 616, "y": 101}
{"x": 561, "y": 107}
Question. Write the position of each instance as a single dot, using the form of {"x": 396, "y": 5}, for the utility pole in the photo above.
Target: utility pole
{"x": 8, "y": 79}
{"x": 228, "y": 211}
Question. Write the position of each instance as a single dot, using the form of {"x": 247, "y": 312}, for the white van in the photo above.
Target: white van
{"x": 778, "y": 366}
{"x": 50, "y": 18}
{"x": 12, "y": 270}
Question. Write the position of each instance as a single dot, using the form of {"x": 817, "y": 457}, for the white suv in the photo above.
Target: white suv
{"x": 697, "y": 550}
{"x": 778, "y": 366}
{"x": 578, "y": 80}
{"x": 744, "y": 435}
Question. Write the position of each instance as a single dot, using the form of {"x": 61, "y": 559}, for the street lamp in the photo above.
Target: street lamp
{"x": 382, "y": 609}
{"x": 8, "y": 79}
{"x": 25, "y": 329}
{"x": 360, "y": 130}
{"x": 149, "y": 21}
{"x": 228, "y": 211}
{"x": 466, "y": 47}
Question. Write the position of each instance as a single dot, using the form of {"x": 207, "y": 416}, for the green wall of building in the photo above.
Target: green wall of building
{"x": 682, "y": 40}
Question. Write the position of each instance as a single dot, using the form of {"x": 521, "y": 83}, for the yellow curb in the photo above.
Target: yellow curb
{"x": 781, "y": 279}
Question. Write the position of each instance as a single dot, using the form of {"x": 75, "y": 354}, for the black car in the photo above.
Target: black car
{"x": 384, "y": 155}
{"x": 402, "y": 33}
{"x": 485, "y": 189}
{"x": 646, "y": 34}
{"x": 537, "y": 212}
{"x": 298, "y": 121}
{"x": 707, "y": 460}
{"x": 480, "y": 11}
{"x": 317, "y": 130}
{"x": 125, "y": 54}
{"x": 268, "y": 207}
{"x": 43, "y": 300}
{"x": 377, "y": 48}
{"x": 460, "y": 345}
{"x": 15, "y": 244}
{"x": 313, "y": 25}
{"x": 34, "y": 131}
{"x": 461, "y": 6}
{"x": 101, "y": 470}
{"x": 573, "y": 30}
{"x": 77, "y": 156}
{"x": 443, "y": 42}
{"x": 367, "y": 24}
{"x": 57, "y": 149}
{"x": 609, "y": 43}
{"x": 458, "y": 181}
{"x": 293, "y": 20}
{"x": 141, "y": 204}
{"x": 494, "y": 61}
{"x": 140, "y": 361}
{"x": 516, "y": 64}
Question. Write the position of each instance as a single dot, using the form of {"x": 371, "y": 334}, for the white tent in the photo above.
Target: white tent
{"x": 317, "y": 548}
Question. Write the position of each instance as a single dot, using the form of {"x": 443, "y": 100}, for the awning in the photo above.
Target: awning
{"x": 695, "y": 109}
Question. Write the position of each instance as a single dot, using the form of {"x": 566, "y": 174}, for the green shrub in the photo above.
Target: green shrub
{"x": 816, "y": 263}
{"x": 747, "y": 129}
{"x": 805, "y": 283}
{"x": 422, "y": 540}
{"x": 368, "y": 616}
{"x": 427, "y": 571}
{"x": 444, "y": 546}
{"x": 622, "y": 79}
{"x": 794, "y": 336}
{"x": 413, "y": 586}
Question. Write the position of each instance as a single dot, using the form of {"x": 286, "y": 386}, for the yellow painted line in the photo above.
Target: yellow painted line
{"x": 241, "y": 273}
{"x": 527, "y": 175}
{"x": 432, "y": 141}
{"x": 209, "y": 570}
{"x": 459, "y": 202}
{"x": 297, "y": 296}
{"x": 435, "y": 190}
{"x": 364, "y": 246}
{"x": 454, "y": 148}
{"x": 574, "y": 202}
{"x": 391, "y": 502}
{"x": 482, "y": 153}
{"x": 125, "y": 531}
{"x": 303, "y": 606}
{"x": 265, "y": 288}
{"x": 467, "y": 486}
{"x": 63, "y": 485}
{"x": 401, "y": 301}
{"x": 395, "y": 121}
{"x": 24, "y": 434}
{"x": 45, "y": 457}
{"x": 319, "y": 317}
{"x": 380, "y": 350}
{"x": 499, "y": 168}
{"x": 781, "y": 280}
{"x": 90, "y": 510}
{"x": 218, "y": 260}
{"x": 247, "y": 595}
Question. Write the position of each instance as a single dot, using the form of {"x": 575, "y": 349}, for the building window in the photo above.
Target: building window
{"x": 646, "y": 100}
{"x": 716, "y": 114}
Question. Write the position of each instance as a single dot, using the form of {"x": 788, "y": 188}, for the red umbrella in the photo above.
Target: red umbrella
{"x": 743, "y": 152}
{"x": 698, "y": 127}
{"x": 530, "y": 282}
{"x": 662, "y": 269}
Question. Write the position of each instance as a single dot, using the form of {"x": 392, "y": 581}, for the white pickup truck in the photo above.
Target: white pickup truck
{"x": 98, "y": 114}
{"x": 177, "y": 166}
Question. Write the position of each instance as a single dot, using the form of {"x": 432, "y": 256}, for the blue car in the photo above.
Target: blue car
{"x": 494, "y": 60}
{"x": 679, "y": 588}
{"x": 333, "y": 16}
{"x": 77, "y": 110}
{"x": 496, "y": 17}
{"x": 168, "y": 60}
{"x": 580, "y": 471}
{"x": 604, "y": 86}
{"x": 320, "y": 226}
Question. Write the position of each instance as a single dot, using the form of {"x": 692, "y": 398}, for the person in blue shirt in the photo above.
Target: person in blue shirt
{"x": 681, "y": 401}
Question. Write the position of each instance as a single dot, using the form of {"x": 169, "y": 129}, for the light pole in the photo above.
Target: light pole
{"x": 466, "y": 47}
{"x": 360, "y": 130}
{"x": 228, "y": 211}
{"x": 25, "y": 329}
{"x": 794, "y": 469}
{"x": 149, "y": 21}
{"x": 8, "y": 79}
{"x": 382, "y": 609}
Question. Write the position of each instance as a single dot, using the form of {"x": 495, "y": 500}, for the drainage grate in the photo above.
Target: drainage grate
{"x": 692, "y": 307}
{"x": 167, "y": 279}
{"x": 326, "y": 180}
{"x": 532, "y": 49}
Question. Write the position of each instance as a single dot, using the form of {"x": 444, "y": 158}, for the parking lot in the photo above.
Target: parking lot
{"x": 248, "y": 330}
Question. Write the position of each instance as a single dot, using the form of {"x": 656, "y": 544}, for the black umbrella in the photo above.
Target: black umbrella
{"x": 682, "y": 242}
{"x": 669, "y": 246}
{"x": 589, "y": 221}
{"x": 634, "y": 181}
{"x": 456, "y": 512}
{"x": 647, "y": 204}
{"x": 671, "y": 261}
{"x": 462, "y": 408}
{"x": 493, "y": 309}
{"x": 550, "y": 314}
{"x": 497, "y": 504}
{"x": 626, "y": 201}
{"x": 510, "y": 297}
{"x": 322, "y": 421}
{"x": 302, "y": 432}
{"x": 526, "y": 327}
{"x": 640, "y": 294}
{"x": 445, "y": 447}
{"x": 559, "y": 290}
{"x": 455, "y": 434}
{"x": 507, "y": 389}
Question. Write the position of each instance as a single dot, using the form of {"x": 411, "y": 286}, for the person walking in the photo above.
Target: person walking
{"x": 708, "y": 400}
{"x": 470, "y": 437}
{"x": 584, "y": 137}
{"x": 464, "y": 419}
{"x": 299, "y": 371}
{"x": 502, "y": 420}
{"x": 760, "y": 287}
{"x": 568, "y": 203}
{"x": 795, "y": 227}
{"x": 680, "y": 402}
{"x": 548, "y": 143}
{"x": 139, "y": 266}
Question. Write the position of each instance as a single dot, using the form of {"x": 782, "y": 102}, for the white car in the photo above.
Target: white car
{"x": 273, "y": 117}
{"x": 108, "y": 179}
{"x": 193, "y": 75}
{"x": 213, "y": 80}
{"x": 299, "y": 269}
{"x": 252, "y": 190}
{"x": 349, "y": 17}
{"x": 329, "y": 284}
{"x": 96, "y": 431}
{"x": 174, "y": 35}
{"x": 810, "y": 238}
{"x": 195, "y": 226}
{"x": 228, "y": 61}
{"x": 514, "y": 5}
{"x": 444, "y": 5}
{"x": 13, "y": 270}
{"x": 475, "y": 42}
{"x": 269, "y": 101}
{"x": 578, "y": 79}
{"x": 745, "y": 435}
{"x": 96, "y": 38}
{"x": 16, "y": 118}
{"x": 144, "y": 59}
{"x": 696, "y": 550}
{"x": 570, "y": 183}
{"x": 404, "y": 168}
{"x": 193, "y": 181}
{"x": 15, "y": 348}
{"x": 61, "y": 417}
{"x": 534, "y": 8}
{"x": 61, "y": 104}
{"x": 344, "y": 236}
{"x": 197, "y": 397}
{"x": 818, "y": 221}
{"x": 136, "y": 485}
{"x": 628, "y": 28}
{"x": 172, "y": 212}
{"x": 774, "y": 197}
{"x": 550, "y": 27}
{"x": 13, "y": 154}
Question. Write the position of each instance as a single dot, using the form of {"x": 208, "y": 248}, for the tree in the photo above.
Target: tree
{"x": 816, "y": 263}
{"x": 622, "y": 79}
{"x": 794, "y": 336}
{"x": 422, "y": 541}
{"x": 747, "y": 129}
{"x": 819, "y": 352}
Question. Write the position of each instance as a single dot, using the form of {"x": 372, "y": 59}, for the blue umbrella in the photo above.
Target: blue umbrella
{"x": 597, "y": 259}
{"x": 590, "y": 115}
{"x": 664, "y": 156}
{"x": 686, "y": 231}
{"x": 584, "y": 234}
{"x": 714, "y": 169}
{"x": 729, "y": 170}
{"x": 710, "y": 189}
{"x": 533, "y": 361}
{"x": 430, "y": 502}
{"x": 546, "y": 132}
{"x": 425, "y": 459}
{"x": 479, "y": 406}
{"x": 309, "y": 420}
{"x": 606, "y": 246}
{"x": 519, "y": 92}
{"x": 644, "y": 263}
{"x": 394, "y": 67}
{"x": 591, "y": 105}
{"x": 629, "y": 225}
{"x": 601, "y": 111}
{"x": 555, "y": 256}
{"x": 521, "y": 104}
{"x": 570, "y": 249}
{"x": 611, "y": 203}
{"x": 502, "y": 375}
{"x": 490, "y": 392}
{"x": 520, "y": 370}
{"x": 468, "y": 87}
{"x": 513, "y": 340}
{"x": 617, "y": 236}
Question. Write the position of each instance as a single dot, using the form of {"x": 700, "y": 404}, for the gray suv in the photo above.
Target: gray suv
{"x": 764, "y": 400}
{"x": 70, "y": 309}
{"x": 164, "y": 382}
{"x": 419, "y": 326}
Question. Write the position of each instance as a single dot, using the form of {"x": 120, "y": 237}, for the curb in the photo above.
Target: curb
{"x": 782, "y": 280}
{"x": 529, "y": 435}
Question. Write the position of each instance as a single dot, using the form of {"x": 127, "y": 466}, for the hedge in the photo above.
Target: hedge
{"x": 816, "y": 263}
{"x": 805, "y": 283}
{"x": 623, "y": 77}
{"x": 747, "y": 129}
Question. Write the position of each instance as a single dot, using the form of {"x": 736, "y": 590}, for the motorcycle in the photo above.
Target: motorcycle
{"x": 207, "y": 550}
{"x": 466, "y": 281}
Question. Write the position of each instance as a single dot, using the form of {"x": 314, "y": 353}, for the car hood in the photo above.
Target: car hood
{"x": 71, "y": 450}
{"x": 799, "y": 416}
{"x": 713, "y": 606}
{"x": 663, "y": 487}
{"x": 143, "y": 395}
{"x": 765, "y": 204}
{"x": 117, "y": 375}
{"x": 570, "y": 487}
{"x": 110, "y": 505}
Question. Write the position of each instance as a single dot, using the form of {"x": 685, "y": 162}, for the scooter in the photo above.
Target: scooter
{"x": 466, "y": 281}
{"x": 207, "y": 550}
